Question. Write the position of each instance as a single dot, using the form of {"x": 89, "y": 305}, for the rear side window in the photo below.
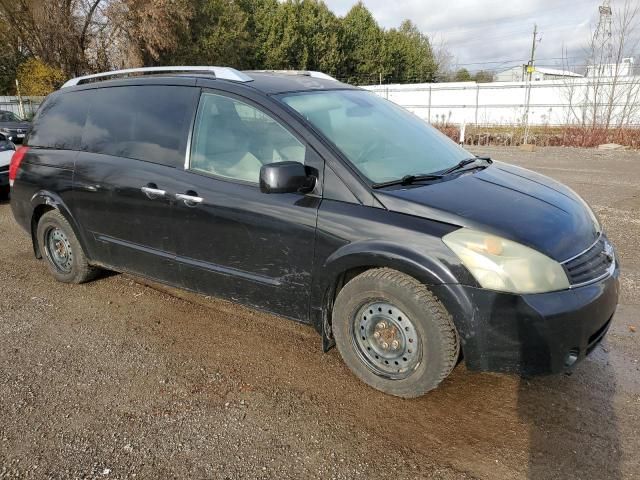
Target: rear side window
{"x": 60, "y": 121}
{"x": 149, "y": 123}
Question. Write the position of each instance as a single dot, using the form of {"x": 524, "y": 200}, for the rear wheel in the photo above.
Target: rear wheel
{"x": 394, "y": 334}
{"x": 61, "y": 250}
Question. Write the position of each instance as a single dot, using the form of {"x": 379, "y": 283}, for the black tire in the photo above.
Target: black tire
{"x": 436, "y": 336}
{"x": 77, "y": 268}
{"x": 4, "y": 193}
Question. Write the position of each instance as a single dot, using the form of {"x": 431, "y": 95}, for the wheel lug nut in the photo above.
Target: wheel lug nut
{"x": 376, "y": 334}
{"x": 385, "y": 345}
{"x": 395, "y": 344}
{"x": 381, "y": 326}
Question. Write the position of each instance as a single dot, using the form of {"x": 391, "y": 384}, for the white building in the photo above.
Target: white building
{"x": 552, "y": 102}
{"x": 623, "y": 69}
{"x": 518, "y": 74}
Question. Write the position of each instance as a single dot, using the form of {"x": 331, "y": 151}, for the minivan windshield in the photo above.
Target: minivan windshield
{"x": 382, "y": 140}
{"x": 9, "y": 117}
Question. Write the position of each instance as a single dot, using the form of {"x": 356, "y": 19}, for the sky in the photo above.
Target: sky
{"x": 494, "y": 34}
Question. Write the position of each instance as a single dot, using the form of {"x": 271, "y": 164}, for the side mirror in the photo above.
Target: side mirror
{"x": 285, "y": 177}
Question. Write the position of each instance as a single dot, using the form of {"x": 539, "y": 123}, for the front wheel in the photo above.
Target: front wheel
{"x": 394, "y": 334}
{"x": 60, "y": 248}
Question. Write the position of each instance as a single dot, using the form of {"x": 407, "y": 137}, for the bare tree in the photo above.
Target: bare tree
{"x": 80, "y": 36}
{"x": 571, "y": 92}
{"x": 144, "y": 29}
{"x": 443, "y": 58}
{"x": 59, "y": 32}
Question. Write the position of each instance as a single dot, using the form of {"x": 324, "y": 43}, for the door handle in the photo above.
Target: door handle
{"x": 153, "y": 192}
{"x": 189, "y": 200}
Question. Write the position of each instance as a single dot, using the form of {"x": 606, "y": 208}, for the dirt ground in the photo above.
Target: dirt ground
{"x": 114, "y": 379}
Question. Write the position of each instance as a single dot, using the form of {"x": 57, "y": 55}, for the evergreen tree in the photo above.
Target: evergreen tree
{"x": 462, "y": 75}
{"x": 363, "y": 47}
{"x": 409, "y": 56}
{"x": 300, "y": 34}
{"x": 217, "y": 34}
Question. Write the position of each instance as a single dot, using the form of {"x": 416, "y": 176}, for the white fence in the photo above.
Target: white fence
{"x": 552, "y": 102}
{"x": 29, "y": 104}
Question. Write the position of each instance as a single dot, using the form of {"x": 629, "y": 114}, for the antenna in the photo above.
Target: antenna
{"x": 602, "y": 37}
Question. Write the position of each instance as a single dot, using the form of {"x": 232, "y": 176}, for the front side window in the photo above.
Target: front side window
{"x": 9, "y": 117}
{"x": 382, "y": 140}
{"x": 233, "y": 139}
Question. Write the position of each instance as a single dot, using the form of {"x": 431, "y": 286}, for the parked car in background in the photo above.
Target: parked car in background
{"x": 13, "y": 127}
{"x": 7, "y": 148}
{"x": 318, "y": 201}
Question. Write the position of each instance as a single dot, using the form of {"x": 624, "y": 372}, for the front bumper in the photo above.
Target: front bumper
{"x": 14, "y": 136}
{"x": 531, "y": 334}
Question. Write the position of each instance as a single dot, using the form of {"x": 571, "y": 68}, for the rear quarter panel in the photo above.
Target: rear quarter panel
{"x": 44, "y": 176}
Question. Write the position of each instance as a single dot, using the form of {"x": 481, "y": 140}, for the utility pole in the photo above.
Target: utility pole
{"x": 533, "y": 51}
{"x": 530, "y": 70}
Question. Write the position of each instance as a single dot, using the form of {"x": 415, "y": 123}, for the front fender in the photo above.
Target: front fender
{"x": 432, "y": 265}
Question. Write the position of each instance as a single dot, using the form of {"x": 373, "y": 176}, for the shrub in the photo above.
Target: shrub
{"x": 38, "y": 79}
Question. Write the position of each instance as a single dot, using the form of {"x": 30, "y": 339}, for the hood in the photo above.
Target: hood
{"x": 508, "y": 201}
{"x": 14, "y": 125}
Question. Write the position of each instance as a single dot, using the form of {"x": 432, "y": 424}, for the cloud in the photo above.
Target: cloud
{"x": 494, "y": 34}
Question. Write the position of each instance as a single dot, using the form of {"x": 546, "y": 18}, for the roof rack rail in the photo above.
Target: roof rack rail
{"x": 306, "y": 73}
{"x": 224, "y": 73}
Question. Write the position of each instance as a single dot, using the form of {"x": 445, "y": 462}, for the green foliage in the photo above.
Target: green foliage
{"x": 409, "y": 55}
{"x": 245, "y": 34}
{"x": 363, "y": 44}
{"x": 303, "y": 35}
{"x": 483, "y": 76}
{"x": 215, "y": 34}
{"x": 9, "y": 62}
{"x": 299, "y": 34}
{"x": 462, "y": 75}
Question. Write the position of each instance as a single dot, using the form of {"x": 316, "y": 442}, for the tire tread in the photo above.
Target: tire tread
{"x": 427, "y": 301}
{"x": 84, "y": 271}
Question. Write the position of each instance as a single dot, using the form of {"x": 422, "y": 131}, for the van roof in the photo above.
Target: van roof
{"x": 278, "y": 82}
{"x": 266, "y": 81}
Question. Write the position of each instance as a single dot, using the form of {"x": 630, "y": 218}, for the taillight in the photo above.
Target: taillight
{"x": 16, "y": 160}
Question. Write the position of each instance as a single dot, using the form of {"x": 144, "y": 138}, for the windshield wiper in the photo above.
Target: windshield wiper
{"x": 408, "y": 180}
{"x": 467, "y": 161}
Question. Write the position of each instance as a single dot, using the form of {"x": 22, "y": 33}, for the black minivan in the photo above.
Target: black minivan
{"x": 311, "y": 199}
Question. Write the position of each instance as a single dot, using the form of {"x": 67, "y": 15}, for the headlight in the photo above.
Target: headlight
{"x": 5, "y": 130}
{"x": 500, "y": 264}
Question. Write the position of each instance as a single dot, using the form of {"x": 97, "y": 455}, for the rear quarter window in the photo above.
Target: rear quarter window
{"x": 60, "y": 121}
{"x": 149, "y": 123}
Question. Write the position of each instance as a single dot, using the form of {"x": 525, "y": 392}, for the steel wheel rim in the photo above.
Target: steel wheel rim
{"x": 59, "y": 250}
{"x": 386, "y": 340}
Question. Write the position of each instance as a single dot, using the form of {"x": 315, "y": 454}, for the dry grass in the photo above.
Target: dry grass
{"x": 545, "y": 136}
